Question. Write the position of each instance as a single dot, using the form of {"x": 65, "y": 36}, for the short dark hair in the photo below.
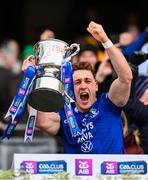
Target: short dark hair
{"x": 83, "y": 66}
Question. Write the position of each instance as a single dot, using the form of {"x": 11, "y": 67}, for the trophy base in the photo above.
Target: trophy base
{"x": 46, "y": 100}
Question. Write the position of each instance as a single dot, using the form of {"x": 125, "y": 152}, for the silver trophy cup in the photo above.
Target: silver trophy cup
{"x": 47, "y": 93}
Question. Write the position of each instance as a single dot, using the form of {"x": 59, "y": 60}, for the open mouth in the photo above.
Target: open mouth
{"x": 84, "y": 96}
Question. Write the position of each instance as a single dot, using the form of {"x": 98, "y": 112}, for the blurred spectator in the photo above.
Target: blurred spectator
{"x": 131, "y": 138}
{"x": 105, "y": 69}
{"x": 88, "y": 53}
{"x": 87, "y": 40}
{"x": 134, "y": 30}
{"x": 129, "y": 45}
{"x": 9, "y": 52}
{"x": 125, "y": 38}
{"x": 9, "y": 55}
{"x": 47, "y": 34}
{"x": 135, "y": 50}
{"x": 6, "y": 78}
{"x": 28, "y": 49}
{"x": 105, "y": 75}
{"x": 137, "y": 109}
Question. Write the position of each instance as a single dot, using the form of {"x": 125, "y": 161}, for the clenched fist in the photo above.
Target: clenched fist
{"x": 97, "y": 31}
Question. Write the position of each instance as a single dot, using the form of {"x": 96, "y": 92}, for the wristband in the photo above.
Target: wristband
{"x": 107, "y": 44}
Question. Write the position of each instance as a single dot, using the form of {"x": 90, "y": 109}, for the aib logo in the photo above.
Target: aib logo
{"x": 29, "y": 166}
{"x": 83, "y": 167}
{"x": 109, "y": 167}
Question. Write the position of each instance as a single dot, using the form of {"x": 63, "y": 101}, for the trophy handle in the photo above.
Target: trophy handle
{"x": 74, "y": 45}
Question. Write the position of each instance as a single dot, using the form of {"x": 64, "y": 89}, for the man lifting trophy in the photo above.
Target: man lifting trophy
{"x": 90, "y": 125}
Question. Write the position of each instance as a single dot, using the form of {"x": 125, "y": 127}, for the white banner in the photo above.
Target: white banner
{"x": 83, "y": 166}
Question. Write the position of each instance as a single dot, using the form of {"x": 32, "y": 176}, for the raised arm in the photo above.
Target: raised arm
{"x": 120, "y": 89}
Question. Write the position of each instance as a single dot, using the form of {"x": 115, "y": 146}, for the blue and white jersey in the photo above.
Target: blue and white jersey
{"x": 101, "y": 129}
